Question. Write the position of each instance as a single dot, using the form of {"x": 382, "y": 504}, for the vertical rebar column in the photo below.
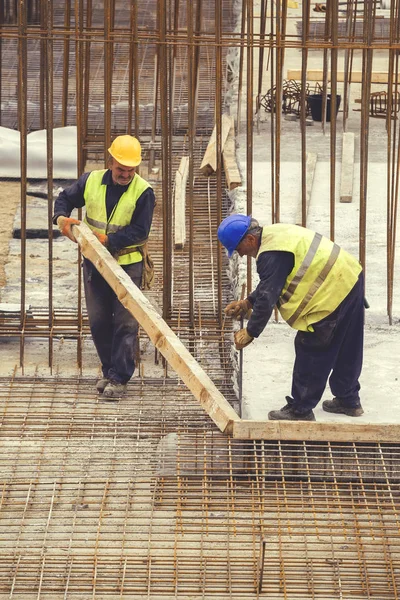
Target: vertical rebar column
{"x": 281, "y": 14}
{"x": 218, "y": 122}
{"x": 79, "y": 77}
{"x": 261, "y": 51}
{"x": 364, "y": 136}
{"x": 173, "y": 54}
{"x": 249, "y": 122}
{"x": 191, "y": 134}
{"x": 334, "y": 62}
{"x": 22, "y": 124}
{"x": 241, "y": 62}
{"x": 393, "y": 152}
{"x": 155, "y": 99}
{"x": 273, "y": 113}
{"x": 65, "y": 76}
{"x": 303, "y": 108}
{"x": 165, "y": 150}
{"x": 49, "y": 138}
{"x": 196, "y": 58}
{"x": 133, "y": 86}
{"x": 81, "y": 140}
{"x": 42, "y": 67}
{"x": 348, "y": 58}
{"x": 86, "y": 58}
{"x": 108, "y": 67}
{"x": 327, "y": 36}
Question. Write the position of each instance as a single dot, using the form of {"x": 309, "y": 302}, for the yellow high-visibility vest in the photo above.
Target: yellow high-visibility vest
{"x": 96, "y": 211}
{"x": 322, "y": 276}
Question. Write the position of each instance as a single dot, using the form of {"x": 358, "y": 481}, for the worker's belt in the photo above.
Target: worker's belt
{"x": 128, "y": 250}
{"x": 148, "y": 265}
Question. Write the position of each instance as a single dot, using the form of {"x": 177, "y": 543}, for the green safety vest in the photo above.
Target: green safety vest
{"x": 96, "y": 212}
{"x": 322, "y": 276}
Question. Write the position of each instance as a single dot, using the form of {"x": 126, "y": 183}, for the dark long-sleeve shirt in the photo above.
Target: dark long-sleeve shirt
{"x": 273, "y": 268}
{"x": 136, "y": 232}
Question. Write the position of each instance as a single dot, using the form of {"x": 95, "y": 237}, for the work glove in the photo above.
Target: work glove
{"x": 242, "y": 339}
{"x": 102, "y": 237}
{"x": 239, "y": 309}
{"x": 65, "y": 226}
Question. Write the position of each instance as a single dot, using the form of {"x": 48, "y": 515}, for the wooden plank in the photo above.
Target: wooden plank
{"x": 356, "y": 76}
{"x": 209, "y": 163}
{"x": 314, "y": 431}
{"x": 232, "y": 173}
{"x": 180, "y": 202}
{"x": 162, "y": 336}
{"x": 310, "y": 172}
{"x": 347, "y": 171}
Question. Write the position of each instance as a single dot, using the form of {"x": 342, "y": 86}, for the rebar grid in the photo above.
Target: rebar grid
{"x": 146, "y": 497}
{"x": 163, "y": 71}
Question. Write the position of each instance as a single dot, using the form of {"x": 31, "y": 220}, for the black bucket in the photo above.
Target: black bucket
{"x": 315, "y": 103}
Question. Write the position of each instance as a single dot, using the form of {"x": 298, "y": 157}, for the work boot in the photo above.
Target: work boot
{"x": 337, "y": 406}
{"x": 101, "y": 384}
{"x": 114, "y": 390}
{"x": 288, "y": 413}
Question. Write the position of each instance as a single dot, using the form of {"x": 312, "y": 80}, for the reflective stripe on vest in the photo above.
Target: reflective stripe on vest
{"x": 96, "y": 211}
{"x": 322, "y": 276}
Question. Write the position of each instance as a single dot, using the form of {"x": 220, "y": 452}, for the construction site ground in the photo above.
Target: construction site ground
{"x": 145, "y": 498}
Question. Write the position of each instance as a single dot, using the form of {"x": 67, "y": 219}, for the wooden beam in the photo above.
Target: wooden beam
{"x": 198, "y": 382}
{"x": 162, "y": 336}
{"x": 209, "y": 163}
{"x": 310, "y": 172}
{"x": 314, "y": 431}
{"x": 356, "y": 76}
{"x": 347, "y": 171}
{"x": 180, "y": 202}
{"x": 232, "y": 173}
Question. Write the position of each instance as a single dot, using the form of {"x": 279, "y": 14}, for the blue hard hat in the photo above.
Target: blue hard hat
{"x": 232, "y": 230}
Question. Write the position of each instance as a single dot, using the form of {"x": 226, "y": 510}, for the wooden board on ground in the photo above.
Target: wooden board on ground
{"x": 356, "y": 76}
{"x": 162, "y": 336}
{"x": 315, "y": 431}
{"x": 209, "y": 163}
{"x": 232, "y": 173}
{"x": 180, "y": 202}
{"x": 347, "y": 172}
{"x": 310, "y": 172}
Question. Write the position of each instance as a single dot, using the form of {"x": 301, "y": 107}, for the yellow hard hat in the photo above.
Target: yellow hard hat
{"x": 126, "y": 150}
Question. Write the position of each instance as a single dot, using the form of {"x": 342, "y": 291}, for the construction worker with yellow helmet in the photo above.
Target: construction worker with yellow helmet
{"x": 119, "y": 211}
{"x": 319, "y": 290}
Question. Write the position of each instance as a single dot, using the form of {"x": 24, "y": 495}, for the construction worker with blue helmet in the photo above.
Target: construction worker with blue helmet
{"x": 319, "y": 290}
{"x": 232, "y": 230}
{"x": 119, "y": 211}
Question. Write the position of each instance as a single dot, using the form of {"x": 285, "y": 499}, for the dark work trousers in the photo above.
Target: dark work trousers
{"x": 335, "y": 351}
{"x": 114, "y": 330}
